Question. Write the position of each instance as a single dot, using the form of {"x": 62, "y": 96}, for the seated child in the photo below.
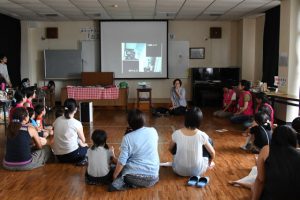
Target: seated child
{"x": 32, "y": 121}
{"x": 229, "y": 102}
{"x": 100, "y": 157}
{"x": 267, "y": 110}
{"x": 25, "y": 83}
{"x": 58, "y": 113}
{"x": 43, "y": 135}
{"x": 40, "y": 112}
{"x": 262, "y": 104}
{"x": 260, "y": 135}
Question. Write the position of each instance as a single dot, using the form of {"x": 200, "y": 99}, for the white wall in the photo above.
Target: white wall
{"x": 259, "y": 38}
{"x": 218, "y": 52}
{"x": 222, "y": 52}
{"x": 33, "y": 44}
{"x": 248, "y": 55}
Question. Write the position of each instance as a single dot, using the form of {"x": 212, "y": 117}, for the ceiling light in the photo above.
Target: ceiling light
{"x": 115, "y": 6}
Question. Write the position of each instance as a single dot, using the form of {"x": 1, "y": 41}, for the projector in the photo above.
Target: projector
{"x": 142, "y": 84}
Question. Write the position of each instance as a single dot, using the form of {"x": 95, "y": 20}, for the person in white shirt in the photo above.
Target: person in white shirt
{"x": 100, "y": 158}
{"x": 3, "y": 70}
{"x": 69, "y": 141}
{"x": 190, "y": 158}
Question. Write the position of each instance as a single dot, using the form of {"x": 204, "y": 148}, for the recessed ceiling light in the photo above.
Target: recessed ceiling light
{"x": 115, "y": 6}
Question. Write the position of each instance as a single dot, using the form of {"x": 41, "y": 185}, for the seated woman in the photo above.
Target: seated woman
{"x": 138, "y": 162}
{"x": 19, "y": 152}
{"x": 278, "y": 174}
{"x": 69, "y": 141}
{"x": 245, "y": 105}
{"x": 189, "y": 141}
{"x": 18, "y": 101}
{"x": 229, "y": 102}
{"x": 178, "y": 98}
{"x": 30, "y": 95}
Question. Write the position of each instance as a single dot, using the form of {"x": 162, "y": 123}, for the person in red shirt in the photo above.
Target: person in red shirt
{"x": 30, "y": 94}
{"x": 18, "y": 101}
{"x": 245, "y": 104}
{"x": 229, "y": 102}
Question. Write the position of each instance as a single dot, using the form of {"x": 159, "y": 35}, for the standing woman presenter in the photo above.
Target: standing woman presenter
{"x": 3, "y": 70}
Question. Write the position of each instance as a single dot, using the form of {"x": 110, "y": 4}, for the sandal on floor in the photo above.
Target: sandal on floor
{"x": 203, "y": 181}
{"x": 193, "y": 180}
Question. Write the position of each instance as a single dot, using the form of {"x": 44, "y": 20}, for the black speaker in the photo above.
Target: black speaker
{"x": 86, "y": 111}
{"x": 215, "y": 32}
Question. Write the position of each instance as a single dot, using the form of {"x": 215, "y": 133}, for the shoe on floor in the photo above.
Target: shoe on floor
{"x": 203, "y": 181}
{"x": 84, "y": 162}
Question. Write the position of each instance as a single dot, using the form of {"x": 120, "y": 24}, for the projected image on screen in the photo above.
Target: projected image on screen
{"x": 141, "y": 57}
{"x": 134, "y": 49}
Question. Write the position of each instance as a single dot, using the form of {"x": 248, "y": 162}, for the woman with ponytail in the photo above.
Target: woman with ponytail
{"x": 19, "y": 152}
{"x": 69, "y": 141}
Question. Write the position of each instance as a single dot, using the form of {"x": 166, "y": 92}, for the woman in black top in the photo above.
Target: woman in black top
{"x": 20, "y": 155}
{"x": 278, "y": 167}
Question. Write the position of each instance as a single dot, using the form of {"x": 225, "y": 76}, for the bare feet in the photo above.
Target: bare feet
{"x": 212, "y": 165}
{"x": 245, "y": 134}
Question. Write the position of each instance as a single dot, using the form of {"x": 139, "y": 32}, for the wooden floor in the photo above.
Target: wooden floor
{"x": 66, "y": 181}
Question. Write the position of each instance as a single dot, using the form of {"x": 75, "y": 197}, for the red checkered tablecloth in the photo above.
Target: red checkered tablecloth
{"x": 81, "y": 93}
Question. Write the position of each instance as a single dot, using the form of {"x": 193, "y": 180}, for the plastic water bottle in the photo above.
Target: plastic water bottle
{"x": 3, "y": 86}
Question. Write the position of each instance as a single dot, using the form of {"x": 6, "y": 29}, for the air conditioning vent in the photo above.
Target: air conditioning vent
{"x": 51, "y": 15}
{"x": 215, "y": 14}
{"x": 94, "y": 14}
{"x": 170, "y": 14}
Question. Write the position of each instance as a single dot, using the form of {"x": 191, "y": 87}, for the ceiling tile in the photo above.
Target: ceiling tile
{"x": 222, "y": 6}
{"x": 134, "y": 9}
{"x": 169, "y": 6}
{"x": 193, "y": 8}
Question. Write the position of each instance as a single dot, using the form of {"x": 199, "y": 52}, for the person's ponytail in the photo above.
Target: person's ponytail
{"x": 19, "y": 115}
{"x": 70, "y": 106}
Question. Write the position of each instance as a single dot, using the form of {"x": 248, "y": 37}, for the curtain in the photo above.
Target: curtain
{"x": 10, "y": 46}
{"x": 271, "y": 45}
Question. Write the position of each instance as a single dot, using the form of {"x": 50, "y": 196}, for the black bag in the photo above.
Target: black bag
{"x": 160, "y": 111}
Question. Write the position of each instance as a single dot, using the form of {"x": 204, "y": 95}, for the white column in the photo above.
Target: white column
{"x": 289, "y": 45}
{"x": 248, "y": 53}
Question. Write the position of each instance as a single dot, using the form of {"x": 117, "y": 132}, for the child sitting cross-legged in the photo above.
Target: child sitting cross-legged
{"x": 40, "y": 111}
{"x": 31, "y": 113}
{"x": 260, "y": 135}
{"x": 100, "y": 158}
